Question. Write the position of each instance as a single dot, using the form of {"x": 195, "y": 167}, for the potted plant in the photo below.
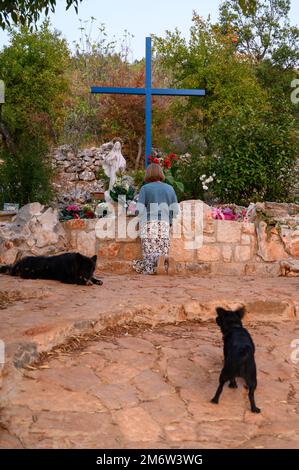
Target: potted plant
{"x": 100, "y": 195}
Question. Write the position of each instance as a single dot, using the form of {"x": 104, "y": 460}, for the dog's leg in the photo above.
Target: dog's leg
{"x": 96, "y": 281}
{"x": 222, "y": 380}
{"x": 254, "y": 408}
{"x": 233, "y": 384}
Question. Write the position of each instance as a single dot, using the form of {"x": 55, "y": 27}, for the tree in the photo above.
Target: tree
{"x": 28, "y": 12}
{"x": 209, "y": 61}
{"x": 243, "y": 130}
{"x": 265, "y": 33}
{"x": 33, "y": 67}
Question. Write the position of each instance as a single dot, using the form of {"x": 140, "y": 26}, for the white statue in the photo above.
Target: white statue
{"x": 113, "y": 163}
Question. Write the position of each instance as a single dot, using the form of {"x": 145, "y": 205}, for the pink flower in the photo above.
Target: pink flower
{"x": 73, "y": 209}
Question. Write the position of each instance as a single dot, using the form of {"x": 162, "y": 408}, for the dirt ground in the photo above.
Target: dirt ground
{"x": 140, "y": 385}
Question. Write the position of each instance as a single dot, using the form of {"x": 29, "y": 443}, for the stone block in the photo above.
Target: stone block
{"x": 75, "y": 224}
{"x": 109, "y": 250}
{"x": 242, "y": 253}
{"x": 228, "y": 231}
{"x": 228, "y": 269}
{"x": 86, "y": 243}
{"x": 198, "y": 268}
{"x": 209, "y": 253}
{"x": 179, "y": 251}
{"x": 227, "y": 253}
{"x": 246, "y": 239}
{"x": 132, "y": 251}
{"x": 248, "y": 228}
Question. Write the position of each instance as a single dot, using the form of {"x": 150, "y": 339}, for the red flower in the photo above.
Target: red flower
{"x": 89, "y": 214}
{"x": 172, "y": 156}
{"x": 156, "y": 160}
{"x": 167, "y": 163}
{"x": 76, "y": 216}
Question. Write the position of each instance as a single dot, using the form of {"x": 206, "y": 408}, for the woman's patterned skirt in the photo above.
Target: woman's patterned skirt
{"x": 155, "y": 240}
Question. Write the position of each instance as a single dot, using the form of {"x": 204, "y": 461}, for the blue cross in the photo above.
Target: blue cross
{"x": 148, "y": 91}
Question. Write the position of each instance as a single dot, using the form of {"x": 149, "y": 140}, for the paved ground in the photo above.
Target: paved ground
{"x": 146, "y": 385}
{"x": 151, "y": 388}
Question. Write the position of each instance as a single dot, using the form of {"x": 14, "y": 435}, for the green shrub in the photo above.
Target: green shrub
{"x": 26, "y": 176}
{"x": 253, "y": 160}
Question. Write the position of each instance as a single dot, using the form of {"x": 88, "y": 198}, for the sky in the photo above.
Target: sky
{"x": 139, "y": 17}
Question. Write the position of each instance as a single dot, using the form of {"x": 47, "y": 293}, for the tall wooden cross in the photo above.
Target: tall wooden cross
{"x": 149, "y": 92}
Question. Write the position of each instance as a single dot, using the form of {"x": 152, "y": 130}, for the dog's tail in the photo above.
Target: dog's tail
{"x": 5, "y": 269}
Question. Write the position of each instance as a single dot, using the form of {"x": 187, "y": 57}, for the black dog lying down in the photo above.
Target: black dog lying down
{"x": 70, "y": 268}
{"x": 238, "y": 354}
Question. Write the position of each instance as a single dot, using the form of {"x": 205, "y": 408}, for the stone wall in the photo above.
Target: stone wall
{"x": 35, "y": 230}
{"x": 76, "y": 172}
{"x": 229, "y": 248}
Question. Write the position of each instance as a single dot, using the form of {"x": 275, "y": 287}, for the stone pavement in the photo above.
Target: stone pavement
{"x": 150, "y": 388}
{"x": 148, "y": 379}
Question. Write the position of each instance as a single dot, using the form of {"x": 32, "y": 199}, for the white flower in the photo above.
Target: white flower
{"x": 205, "y": 187}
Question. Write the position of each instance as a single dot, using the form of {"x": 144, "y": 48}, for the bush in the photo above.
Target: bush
{"x": 254, "y": 160}
{"x": 26, "y": 176}
{"x": 189, "y": 170}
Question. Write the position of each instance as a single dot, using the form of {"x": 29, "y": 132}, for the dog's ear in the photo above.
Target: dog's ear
{"x": 241, "y": 312}
{"x": 220, "y": 311}
{"x": 94, "y": 259}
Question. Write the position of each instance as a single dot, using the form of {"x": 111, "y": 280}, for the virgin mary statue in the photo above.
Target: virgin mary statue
{"x": 113, "y": 163}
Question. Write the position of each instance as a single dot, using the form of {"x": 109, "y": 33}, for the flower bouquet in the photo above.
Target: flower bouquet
{"x": 122, "y": 192}
{"x": 74, "y": 212}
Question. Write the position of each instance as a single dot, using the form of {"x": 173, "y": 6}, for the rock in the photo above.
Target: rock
{"x": 87, "y": 176}
{"x": 71, "y": 156}
{"x": 36, "y": 230}
{"x": 290, "y": 239}
{"x": 72, "y": 177}
{"x": 270, "y": 246}
{"x": 277, "y": 210}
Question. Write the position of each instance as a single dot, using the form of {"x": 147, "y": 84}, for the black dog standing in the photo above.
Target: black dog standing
{"x": 238, "y": 354}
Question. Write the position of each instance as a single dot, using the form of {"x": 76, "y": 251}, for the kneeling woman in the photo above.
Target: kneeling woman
{"x": 157, "y": 206}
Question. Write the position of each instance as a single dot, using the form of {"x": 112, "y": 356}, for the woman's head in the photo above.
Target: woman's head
{"x": 154, "y": 173}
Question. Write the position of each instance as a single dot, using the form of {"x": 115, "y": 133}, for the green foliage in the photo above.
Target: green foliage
{"x": 254, "y": 159}
{"x": 189, "y": 171}
{"x": 263, "y": 33}
{"x": 26, "y": 176}
{"x": 209, "y": 61}
{"x": 28, "y": 12}
{"x": 33, "y": 68}
{"x": 178, "y": 185}
{"x": 101, "y": 175}
{"x": 245, "y": 126}
{"x": 138, "y": 178}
